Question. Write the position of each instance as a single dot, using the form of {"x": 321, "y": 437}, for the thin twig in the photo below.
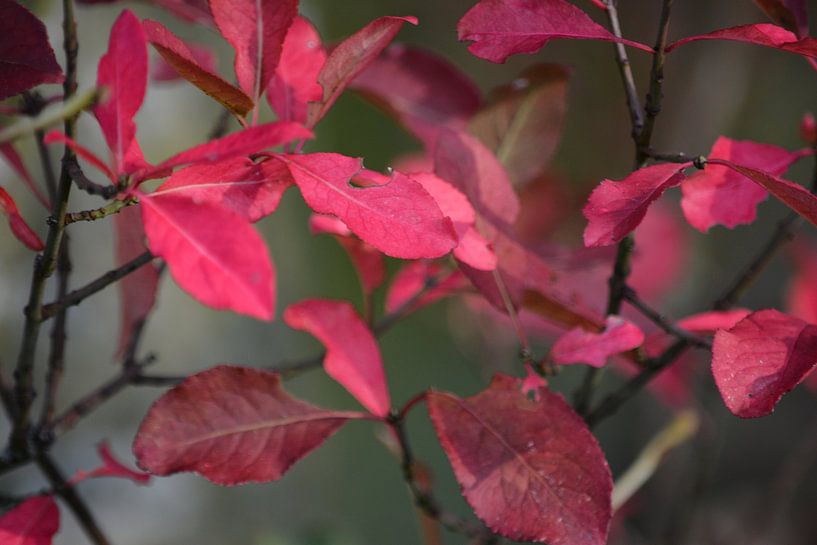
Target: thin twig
{"x": 626, "y": 71}
{"x": 109, "y": 209}
{"x": 667, "y": 325}
{"x": 79, "y": 295}
{"x": 86, "y": 184}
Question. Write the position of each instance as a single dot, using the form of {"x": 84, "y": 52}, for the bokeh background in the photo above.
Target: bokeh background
{"x": 739, "y": 482}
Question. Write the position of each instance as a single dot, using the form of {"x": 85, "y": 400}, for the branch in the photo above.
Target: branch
{"x": 655, "y": 317}
{"x": 85, "y": 183}
{"x": 626, "y": 71}
{"x": 72, "y": 106}
{"x": 98, "y": 213}
{"x": 79, "y": 295}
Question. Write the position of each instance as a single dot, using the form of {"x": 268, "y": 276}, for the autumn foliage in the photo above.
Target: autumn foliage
{"x": 473, "y": 217}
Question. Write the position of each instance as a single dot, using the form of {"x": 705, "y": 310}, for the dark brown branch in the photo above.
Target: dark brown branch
{"x": 626, "y": 71}
{"x": 667, "y": 325}
{"x": 84, "y": 183}
{"x": 79, "y": 295}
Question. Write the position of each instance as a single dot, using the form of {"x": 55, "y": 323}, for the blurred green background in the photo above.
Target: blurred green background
{"x": 350, "y": 491}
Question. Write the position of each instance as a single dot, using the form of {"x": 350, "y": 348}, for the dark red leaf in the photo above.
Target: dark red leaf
{"x": 352, "y": 355}
{"x": 581, "y": 346}
{"x": 763, "y": 34}
{"x": 414, "y": 277}
{"x": 203, "y": 57}
{"x": 523, "y": 122}
{"x": 792, "y": 195}
{"x": 187, "y": 64}
{"x": 350, "y": 58}
{"x": 399, "y": 218}
{"x": 111, "y": 467}
{"x": 501, "y": 28}
{"x": 123, "y": 71}
{"x": 26, "y": 57}
{"x": 531, "y": 470}
{"x": 242, "y": 143}
{"x": 256, "y": 29}
{"x": 420, "y": 89}
{"x": 789, "y": 13}
{"x": 368, "y": 262}
{"x": 232, "y": 425}
{"x": 224, "y": 268}
{"x": 465, "y": 162}
{"x": 615, "y": 208}
{"x": 720, "y": 196}
{"x": 33, "y": 522}
{"x": 137, "y": 291}
{"x": 18, "y": 225}
{"x": 295, "y": 81}
{"x": 764, "y": 356}
{"x": 251, "y": 190}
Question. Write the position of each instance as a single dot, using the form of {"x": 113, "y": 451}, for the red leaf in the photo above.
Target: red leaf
{"x": 531, "y": 470}
{"x": 472, "y": 248}
{"x": 196, "y": 66}
{"x": 242, "y": 143}
{"x": 709, "y": 322}
{"x": 137, "y": 291}
{"x": 398, "y": 218}
{"x": 123, "y": 71}
{"x": 33, "y": 522}
{"x": 111, "y": 467}
{"x": 465, "y": 162}
{"x": 350, "y": 58}
{"x": 801, "y": 296}
{"x": 763, "y": 34}
{"x": 792, "y": 195}
{"x": 615, "y": 208}
{"x": 224, "y": 268}
{"x": 581, "y": 346}
{"x": 764, "y": 356}
{"x": 232, "y": 425}
{"x": 26, "y": 57}
{"x": 501, "y": 28}
{"x": 523, "y": 122}
{"x": 202, "y": 58}
{"x": 256, "y": 29}
{"x": 421, "y": 89}
{"x": 16, "y": 163}
{"x": 251, "y": 190}
{"x": 18, "y": 225}
{"x": 788, "y": 13}
{"x": 352, "y": 356}
{"x": 295, "y": 81}
{"x": 368, "y": 262}
{"x": 81, "y": 151}
{"x": 720, "y": 196}
{"x": 413, "y": 277}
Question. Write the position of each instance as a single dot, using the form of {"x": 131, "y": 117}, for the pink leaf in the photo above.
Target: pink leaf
{"x": 295, "y": 81}
{"x": 33, "y": 522}
{"x": 501, "y": 28}
{"x": 16, "y": 162}
{"x": 531, "y": 470}
{"x": 468, "y": 165}
{"x": 224, "y": 268}
{"x": 251, "y": 190}
{"x": 368, "y": 262}
{"x": 615, "y": 208}
{"x": 137, "y": 291}
{"x": 420, "y": 89}
{"x": 123, "y": 71}
{"x": 26, "y": 57}
{"x": 242, "y": 143}
{"x": 232, "y": 425}
{"x": 195, "y": 64}
{"x": 763, "y": 34}
{"x": 710, "y": 322}
{"x": 17, "y": 224}
{"x": 350, "y": 58}
{"x": 764, "y": 356}
{"x": 522, "y": 124}
{"x": 81, "y": 151}
{"x": 398, "y": 218}
{"x": 256, "y": 29}
{"x": 801, "y": 296}
{"x": 720, "y": 196}
{"x": 111, "y": 467}
{"x": 792, "y": 195}
{"x": 581, "y": 346}
{"x": 413, "y": 278}
{"x": 352, "y": 356}
{"x": 788, "y": 13}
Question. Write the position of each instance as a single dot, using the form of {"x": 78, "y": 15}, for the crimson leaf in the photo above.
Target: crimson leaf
{"x": 581, "y": 346}
{"x": 763, "y": 34}
{"x": 232, "y": 425}
{"x": 18, "y": 225}
{"x": 33, "y": 522}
